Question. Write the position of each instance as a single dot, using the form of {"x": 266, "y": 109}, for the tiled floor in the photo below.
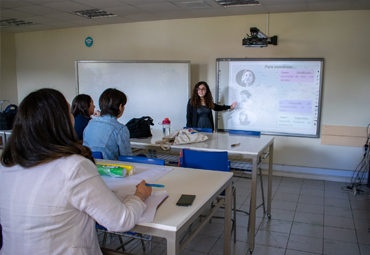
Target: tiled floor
{"x": 308, "y": 217}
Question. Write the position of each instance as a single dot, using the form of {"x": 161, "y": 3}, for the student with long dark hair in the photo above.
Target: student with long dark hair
{"x": 200, "y": 106}
{"x": 105, "y": 133}
{"x": 82, "y": 108}
{"x": 51, "y": 193}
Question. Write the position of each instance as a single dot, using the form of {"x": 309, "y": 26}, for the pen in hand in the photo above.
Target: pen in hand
{"x": 154, "y": 185}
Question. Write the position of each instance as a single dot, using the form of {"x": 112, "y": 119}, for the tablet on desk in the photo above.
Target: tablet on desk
{"x": 185, "y": 200}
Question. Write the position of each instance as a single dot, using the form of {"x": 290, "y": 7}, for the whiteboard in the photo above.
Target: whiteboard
{"x": 274, "y": 96}
{"x": 153, "y": 88}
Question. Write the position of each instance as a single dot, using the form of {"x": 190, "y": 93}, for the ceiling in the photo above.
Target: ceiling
{"x": 56, "y": 14}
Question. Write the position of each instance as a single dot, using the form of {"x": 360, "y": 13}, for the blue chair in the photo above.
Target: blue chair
{"x": 205, "y": 130}
{"x": 97, "y": 155}
{"x": 215, "y": 161}
{"x": 244, "y": 132}
{"x": 152, "y": 161}
{"x": 131, "y": 235}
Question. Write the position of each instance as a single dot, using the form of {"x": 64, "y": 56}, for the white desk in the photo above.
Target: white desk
{"x": 170, "y": 220}
{"x": 250, "y": 147}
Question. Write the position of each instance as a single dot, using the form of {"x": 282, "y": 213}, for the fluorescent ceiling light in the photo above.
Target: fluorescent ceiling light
{"x": 231, "y": 3}
{"x": 94, "y": 13}
{"x": 14, "y": 22}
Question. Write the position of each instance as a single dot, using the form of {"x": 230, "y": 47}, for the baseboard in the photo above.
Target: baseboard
{"x": 312, "y": 173}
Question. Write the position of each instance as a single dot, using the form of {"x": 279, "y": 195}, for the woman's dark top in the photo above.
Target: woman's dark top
{"x": 203, "y": 117}
{"x": 192, "y": 115}
{"x": 80, "y": 124}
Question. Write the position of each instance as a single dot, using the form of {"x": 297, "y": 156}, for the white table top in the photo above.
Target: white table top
{"x": 204, "y": 184}
{"x": 249, "y": 145}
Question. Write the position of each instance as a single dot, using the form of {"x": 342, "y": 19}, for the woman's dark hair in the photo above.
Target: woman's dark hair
{"x": 80, "y": 105}
{"x": 195, "y": 99}
{"x": 110, "y": 100}
{"x": 42, "y": 131}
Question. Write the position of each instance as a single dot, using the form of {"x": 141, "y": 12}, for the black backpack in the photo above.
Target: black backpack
{"x": 7, "y": 117}
{"x": 140, "y": 127}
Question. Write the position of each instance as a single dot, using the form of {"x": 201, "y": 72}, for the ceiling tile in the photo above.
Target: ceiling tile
{"x": 64, "y": 17}
{"x": 361, "y": 5}
{"x": 126, "y": 10}
{"x": 101, "y": 4}
{"x": 45, "y": 1}
{"x": 14, "y": 14}
{"x": 6, "y": 4}
{"x": 159, "y": 7}
{"x": 67, "y": 6}
{"x": 329, "y": 6}
{"x": 276, "y": 8}
{"x": 37, "y": 10}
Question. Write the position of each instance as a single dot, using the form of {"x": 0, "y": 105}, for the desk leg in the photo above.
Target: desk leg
{"x": 269, "y": 192}
{"x": 227, "y": 221}
{"x": 173, "y": 246}
{"x": 252, "y": 215}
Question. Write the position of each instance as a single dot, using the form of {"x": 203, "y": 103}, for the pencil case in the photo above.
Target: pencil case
{"x": 115, "y": 170}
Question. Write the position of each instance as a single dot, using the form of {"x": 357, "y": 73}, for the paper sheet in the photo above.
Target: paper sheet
{"x": 151, "y": 202}
{"x": 123, "y": 187}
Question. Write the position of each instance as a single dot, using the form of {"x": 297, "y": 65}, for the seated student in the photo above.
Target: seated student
{"x": 51, "y": 193}
{"x": 82, "y": 108}
{"x": 105, "y": 133}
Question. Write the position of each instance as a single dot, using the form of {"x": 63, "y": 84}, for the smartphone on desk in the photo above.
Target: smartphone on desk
{"x": 185, "y": 200}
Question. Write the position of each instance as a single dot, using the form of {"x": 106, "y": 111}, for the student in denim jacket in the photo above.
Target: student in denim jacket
{"x": 105, "y": 133}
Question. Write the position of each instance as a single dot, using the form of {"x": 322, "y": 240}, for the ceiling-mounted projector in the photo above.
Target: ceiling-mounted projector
{"x": 258, "y": 39}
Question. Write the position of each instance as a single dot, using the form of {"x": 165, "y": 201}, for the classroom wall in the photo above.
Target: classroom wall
{"x": 8, "y": 78}
{"x": 46, "y": 59}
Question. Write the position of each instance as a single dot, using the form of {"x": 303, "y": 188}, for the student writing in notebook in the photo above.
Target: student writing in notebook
{"x": 51, "y": 193}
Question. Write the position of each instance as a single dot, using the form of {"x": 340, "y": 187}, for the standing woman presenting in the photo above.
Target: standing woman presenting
{"x": 200, "y": 106}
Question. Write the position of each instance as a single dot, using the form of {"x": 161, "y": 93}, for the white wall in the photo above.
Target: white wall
{"x": 8, "y": 80}
{"x": 46, "y": 59}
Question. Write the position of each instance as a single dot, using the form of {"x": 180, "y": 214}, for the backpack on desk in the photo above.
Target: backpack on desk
{"x": 7, "y": 117}
{"x": 140, "y": 127}
{"x": 183, "y": 136}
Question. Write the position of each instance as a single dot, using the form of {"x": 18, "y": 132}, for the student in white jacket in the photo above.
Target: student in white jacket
{"x": 51, "y": 193}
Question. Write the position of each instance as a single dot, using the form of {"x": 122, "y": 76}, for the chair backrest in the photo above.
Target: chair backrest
{"x": 244, "y": 132}
{"x": 152, "y": 161}
{"x": 97, "y": 155}
{"x": 205, "y": 130}
{"x": 209, "y": 160}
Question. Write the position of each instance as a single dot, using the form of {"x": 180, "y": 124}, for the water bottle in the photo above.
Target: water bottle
{"x": 166, "y": 124}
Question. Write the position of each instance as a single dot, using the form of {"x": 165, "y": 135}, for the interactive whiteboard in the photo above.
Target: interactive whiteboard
{"x": 275, "y": 96}
{"x": 154, "y": 88}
